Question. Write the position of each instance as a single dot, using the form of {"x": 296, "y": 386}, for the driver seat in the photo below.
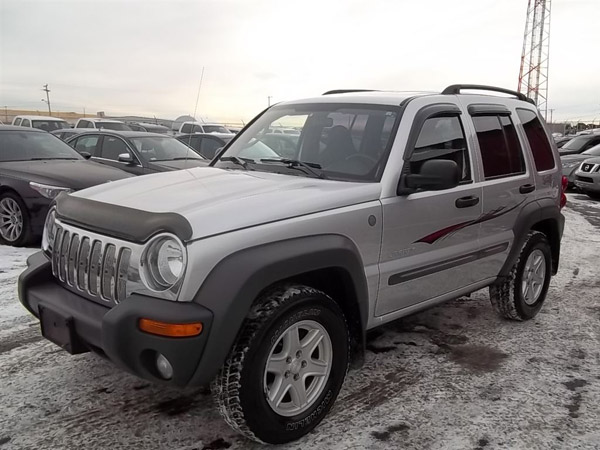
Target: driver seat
{"x": 339, "y": 146}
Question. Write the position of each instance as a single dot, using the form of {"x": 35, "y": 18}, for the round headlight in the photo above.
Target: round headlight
{"x": 163, "y": 263}
{"x": 49, "y": 230}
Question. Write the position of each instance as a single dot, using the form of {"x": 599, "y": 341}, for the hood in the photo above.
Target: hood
{"x": 592, "y": 160}
{"x": 179, "y": 164}
{"x": 573, "y": 158}
{"x": 215, "y": 200}
{"x": 74, "y": 174}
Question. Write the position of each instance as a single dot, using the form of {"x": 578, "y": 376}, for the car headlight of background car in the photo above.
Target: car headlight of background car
{"x": 48, "y": 191}
{"x": 570, "y": 164}
{"x": 49, "y": 232}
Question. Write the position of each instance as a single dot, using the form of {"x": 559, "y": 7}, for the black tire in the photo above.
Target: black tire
{"x": 507, "y": 297}
{"x": 239, "y": 389}
{"x": 25, "y": 236}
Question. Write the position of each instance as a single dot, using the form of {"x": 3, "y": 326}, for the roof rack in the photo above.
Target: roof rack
{"x": 346, "y": 91}
{"x": 456, "y": 88}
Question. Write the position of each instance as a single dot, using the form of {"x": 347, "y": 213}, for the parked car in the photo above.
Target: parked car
{"x": 579, "y": 144}
{"x": 197, "y": 127}
{"x": 34, "y": 168}
{"x": 106, "y": 124}
{"x": 587, "y": 177}
{"x": 288, "y": 131}
{"x": 234, "y": 130}
{"x": 149, "y": 127}
{"x": 263, "y": 275}
{"x": 570, "y": 163}
{"x": 283, "y": 144}
{"x": 562, "y": 140}
{"x": 136, "y": 152}
{"x": 205, "y": 144}
{"x": 66, "y": 133}
{"x": 45, "y": 123}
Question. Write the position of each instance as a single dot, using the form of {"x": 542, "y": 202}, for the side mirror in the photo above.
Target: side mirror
{"x": 86, "y": 155}
{"x": 435, "y": 175}
{"x": 126, "y": 158}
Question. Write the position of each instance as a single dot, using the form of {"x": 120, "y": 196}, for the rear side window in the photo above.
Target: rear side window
{"x": 26, "y": 123}
{"x": 442, "y": 138}
{"x": 17, "y": 122}
{"x": 540, "y": 147}
{"x": 501, "y": 152}
{"x": 186, "y": 128}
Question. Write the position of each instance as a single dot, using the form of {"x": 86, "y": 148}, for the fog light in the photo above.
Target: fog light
{"x": 164, "y": 367}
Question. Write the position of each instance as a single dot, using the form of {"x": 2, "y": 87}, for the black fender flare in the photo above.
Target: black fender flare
{"x": 530, "y": 215}
{"x": 236, "y": 281}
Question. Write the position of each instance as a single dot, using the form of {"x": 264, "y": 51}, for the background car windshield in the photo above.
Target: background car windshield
{"x": 574, "y": 144}
{"x": 347, "y": 142}
{"x": 153, "y": 148}
{"x": 594, "y": 151}
{"x": 215, "y": 129}
{"x": 23, "y": 146}
{"x": 50, "y": 125}
{"x": 113, "y": 126}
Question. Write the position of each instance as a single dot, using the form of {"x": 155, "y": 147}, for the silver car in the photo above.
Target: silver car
{"x": 587, "y": 177}
{"x": 570, "y": 163}
{"x": 261, "y": 274}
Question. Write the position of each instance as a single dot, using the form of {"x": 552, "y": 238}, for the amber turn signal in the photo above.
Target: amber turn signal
{"x": 170, "y": 329}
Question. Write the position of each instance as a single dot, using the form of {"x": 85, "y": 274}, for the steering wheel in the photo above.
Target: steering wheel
{"x": 362, "y": 157}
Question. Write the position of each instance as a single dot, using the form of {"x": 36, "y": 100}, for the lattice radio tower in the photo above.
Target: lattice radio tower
{"x": 533, "y": 76}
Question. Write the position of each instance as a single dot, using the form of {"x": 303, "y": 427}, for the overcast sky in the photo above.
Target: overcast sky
{"x": 146, "y": 57}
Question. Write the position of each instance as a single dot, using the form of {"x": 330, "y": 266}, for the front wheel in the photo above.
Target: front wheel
{"x": 14, "y": 220}
{"x": 521, "y": 295}
{"x": 286, "y": 367}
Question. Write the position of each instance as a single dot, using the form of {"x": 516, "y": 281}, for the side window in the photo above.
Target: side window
{"x": 17, "y": 122}
{"x": 197, "y": 129}
{"x": 538, "y": 141}
{"x": 91, "y": 124}
{"x": 591, "y": 143}
{"x": 86, "y": 144}
{"x": 26, "y": 123}
{"x": 186, "y": 128}
{"x": 209, "y": 146}
{"x": 112, "y": 147}
{"x": 442, "y": 138}
{"x": 501, "y": 152}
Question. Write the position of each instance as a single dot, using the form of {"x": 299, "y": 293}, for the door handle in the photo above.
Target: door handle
{"x": 527, "y": 188}
{"x": 465, "y": 202}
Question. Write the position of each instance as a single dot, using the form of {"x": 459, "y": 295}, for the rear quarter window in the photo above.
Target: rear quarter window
{"x": 538, "y": 140}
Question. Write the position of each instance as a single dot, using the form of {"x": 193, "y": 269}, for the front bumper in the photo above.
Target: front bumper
{"x": 588, "y": 181}
{"x": 114, "y": 331}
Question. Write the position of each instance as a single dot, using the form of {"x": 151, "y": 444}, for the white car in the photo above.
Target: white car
{"x": 197, "y": 127}
{"x": 45, "y": 123}
{"x": 108, "y": 124}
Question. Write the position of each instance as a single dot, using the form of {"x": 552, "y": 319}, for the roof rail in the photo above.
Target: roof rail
{"x": 456, "y": 88}
{"x": 346, "y": 91}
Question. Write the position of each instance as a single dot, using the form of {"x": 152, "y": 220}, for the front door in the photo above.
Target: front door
{"x": 430, "y": 241}
{"x": 111, "y": 148}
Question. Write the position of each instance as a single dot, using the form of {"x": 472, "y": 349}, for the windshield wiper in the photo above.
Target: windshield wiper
{"x": 236, "y": 160}
{"x": 308, "y": 167}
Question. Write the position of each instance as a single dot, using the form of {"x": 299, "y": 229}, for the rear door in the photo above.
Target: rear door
{"x": 430, "y": 238}
{"x": 508, "y": 180}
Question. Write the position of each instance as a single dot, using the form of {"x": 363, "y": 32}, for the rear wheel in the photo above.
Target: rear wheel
{"x": 14, "y": 220}
{"x": 286, "y": 367}
{"x": 521, "y": 295}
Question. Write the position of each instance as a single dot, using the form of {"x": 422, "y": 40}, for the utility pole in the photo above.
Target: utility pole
{"x": 47, "y": 98}
{"x": 551, "y": 111}
{"x": 269, "y": 97}
{"x": 6, "y": 114}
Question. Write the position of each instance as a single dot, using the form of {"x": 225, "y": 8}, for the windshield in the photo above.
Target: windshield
{"x": 345, "y": 141}
{"x": 575, "y": 144}
{"x": 594, "y": 151}
{"x": 154, "y": 148}
{"x": 24, "y": 146}
{"x": 215, "y": 129}
{"x": 50, "y": 125}
{"x": 113, "y": 126}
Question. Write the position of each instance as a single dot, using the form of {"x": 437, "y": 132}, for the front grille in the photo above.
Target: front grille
{"x": 587, "y": 167}
{"x": 89, "y": 265}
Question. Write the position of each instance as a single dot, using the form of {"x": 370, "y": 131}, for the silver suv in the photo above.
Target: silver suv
{"x": 262, "y": 274}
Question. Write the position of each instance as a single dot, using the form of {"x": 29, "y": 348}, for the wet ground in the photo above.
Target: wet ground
{"x": 456, "y": 376}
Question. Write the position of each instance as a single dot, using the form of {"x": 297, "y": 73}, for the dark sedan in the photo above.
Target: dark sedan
{"x": 137, "y": 152}
{"x": 34, "y": 168}
{"x": 579, "y": 144}
{"x": 205, "y": 144}
{"x": 67, "y": 133}
{"x": 570, "y": 163}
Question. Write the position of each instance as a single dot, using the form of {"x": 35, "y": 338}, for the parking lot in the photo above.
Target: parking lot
{"x": 455, "y": 376}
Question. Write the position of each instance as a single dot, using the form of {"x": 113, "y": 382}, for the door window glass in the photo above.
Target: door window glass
{"x": 18, "y": 121}
{"x": 112, "y": 147}
{"x": 87, "y": 144}
{"x": 501, "y": 152}
{"x": 26, "y": 123}
{"x": 442, "y": 138}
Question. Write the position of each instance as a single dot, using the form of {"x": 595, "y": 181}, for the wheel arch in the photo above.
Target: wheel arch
{"x": 331, "y": 263}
